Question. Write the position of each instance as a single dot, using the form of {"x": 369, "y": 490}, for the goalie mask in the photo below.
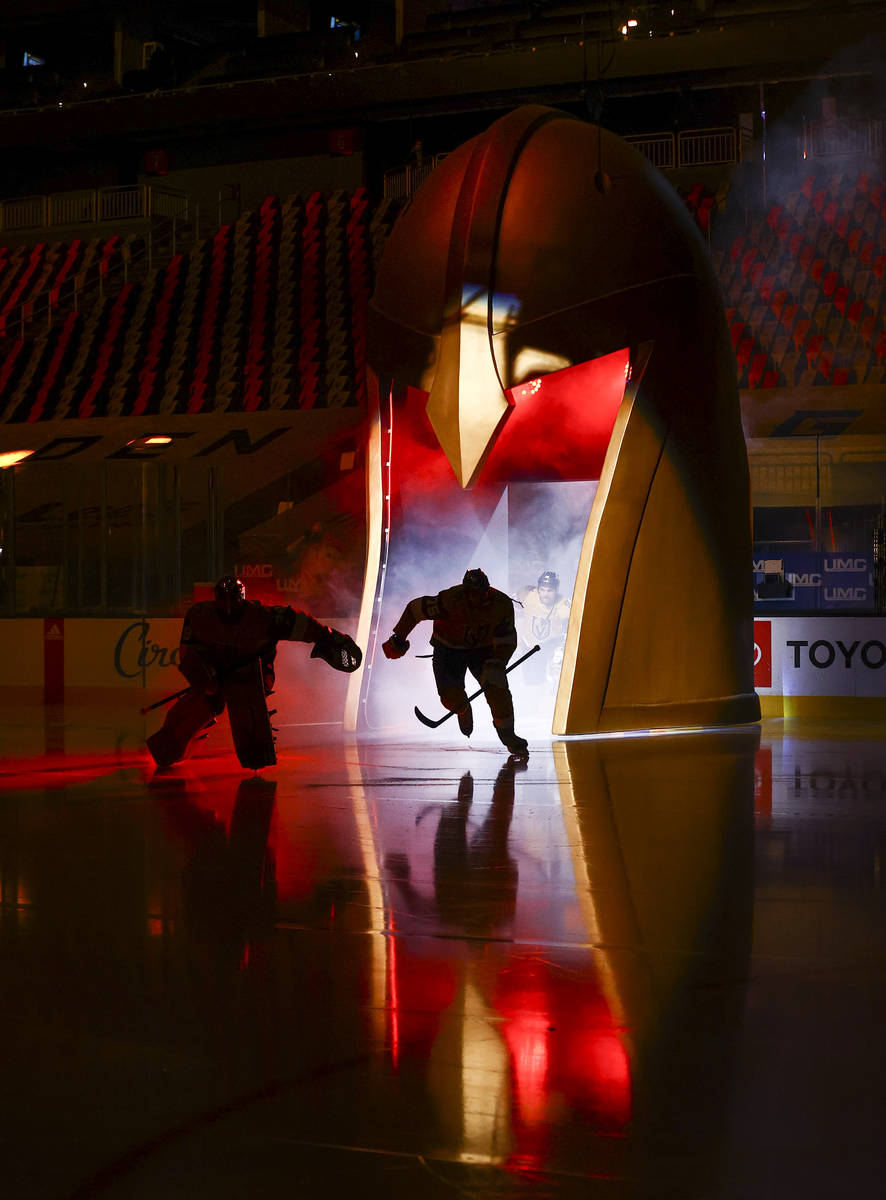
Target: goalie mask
{"x": 230, "y": 597}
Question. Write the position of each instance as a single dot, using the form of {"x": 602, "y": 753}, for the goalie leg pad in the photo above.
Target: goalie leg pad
{"x": 250, "y": 723}
{"x": 188, "y": 717}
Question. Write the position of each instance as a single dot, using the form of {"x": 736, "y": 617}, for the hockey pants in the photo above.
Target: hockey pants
{"x": 450, "y": 669}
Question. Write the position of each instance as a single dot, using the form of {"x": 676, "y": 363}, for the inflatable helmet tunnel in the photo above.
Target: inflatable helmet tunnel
{"x": 546, "y": 311}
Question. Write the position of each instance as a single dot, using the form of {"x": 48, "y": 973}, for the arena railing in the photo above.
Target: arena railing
{"x": 659, "y": 148}
{"x": 666, "y": 150}
{"x": 169, "y": 209}
{"x": 27, "y": 213}
{"x": 688, "y": 148}
{"x": 707, "y": 147}
{"x": 863, "y": 137}
{"x": 404, "y": 181}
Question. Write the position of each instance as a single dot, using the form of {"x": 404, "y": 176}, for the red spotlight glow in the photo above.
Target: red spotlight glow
{"x": 564, "y": 1046}
{"x": 527, "y": 1037}
{"x": 584, "y": 399}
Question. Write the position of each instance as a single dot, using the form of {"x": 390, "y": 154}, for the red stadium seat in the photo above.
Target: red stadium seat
{"x": 801, "y": 332}
{"x": 747, "y": 260}
{"x": 814, "y": 346}
{"x": 788, "y": 316}
{"x": 757, "y": 369}
{"x": 744, "y": 351}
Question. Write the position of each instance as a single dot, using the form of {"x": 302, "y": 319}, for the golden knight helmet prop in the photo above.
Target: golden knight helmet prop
{"x": 545, "y": 243}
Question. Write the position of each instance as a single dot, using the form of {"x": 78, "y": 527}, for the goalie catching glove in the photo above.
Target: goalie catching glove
{"x": 339, "y": 650}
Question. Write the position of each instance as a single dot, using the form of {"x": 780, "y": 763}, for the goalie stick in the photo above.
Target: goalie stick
{"x": 165, "y": 700}
{"x": 222, "y": 678}
{"x": 433, "y": 724}
{"x": 336, "y": 652}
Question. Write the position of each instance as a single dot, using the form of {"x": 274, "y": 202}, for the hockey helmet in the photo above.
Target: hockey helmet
{"x": 549, "y": 579}
{"x": 476, "y": 580}
{"x": 230, "y": 596}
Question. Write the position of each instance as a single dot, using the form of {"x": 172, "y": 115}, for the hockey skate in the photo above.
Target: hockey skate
{"x": 518, "y": 746}
{"x": 466, "y": 721}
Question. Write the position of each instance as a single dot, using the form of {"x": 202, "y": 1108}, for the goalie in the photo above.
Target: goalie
{"x": 227, "y": 651}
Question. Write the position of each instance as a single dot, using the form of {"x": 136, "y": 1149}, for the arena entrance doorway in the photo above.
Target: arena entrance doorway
{"x": 545, "y": 311}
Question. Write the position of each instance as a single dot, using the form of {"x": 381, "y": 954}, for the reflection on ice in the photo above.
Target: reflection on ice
{"x": 576, "y": 967}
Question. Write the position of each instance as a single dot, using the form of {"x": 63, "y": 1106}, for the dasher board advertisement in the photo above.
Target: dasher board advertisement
{"x": 820, "y": 656}
{"x": 820, "y": 581}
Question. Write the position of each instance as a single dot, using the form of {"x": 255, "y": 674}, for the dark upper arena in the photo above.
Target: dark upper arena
{"x": 194, "y": 203}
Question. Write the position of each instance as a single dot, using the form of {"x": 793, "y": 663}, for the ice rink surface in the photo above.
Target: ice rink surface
{"x": 405, "y": 967}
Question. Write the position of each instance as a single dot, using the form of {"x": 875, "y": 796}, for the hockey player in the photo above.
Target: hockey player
{"x": 542, "y": 619}
{"x": 473, "y": 631}
{"x": 227, "y": 652}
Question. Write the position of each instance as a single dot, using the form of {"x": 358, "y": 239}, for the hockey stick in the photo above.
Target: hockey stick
{"x": 221, "y": 679}
{"x": 166, "y": 700}
{"x": 433, "y": 724}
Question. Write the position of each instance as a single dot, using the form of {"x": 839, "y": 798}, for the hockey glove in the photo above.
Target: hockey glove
{"x": 395, "y": 646}
{"x": 337, "y": 649}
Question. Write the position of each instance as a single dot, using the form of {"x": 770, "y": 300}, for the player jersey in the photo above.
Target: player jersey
{"x": 463, "y": 622}
{"x": 212, "y": 645}
{"x": 539, "y": 623}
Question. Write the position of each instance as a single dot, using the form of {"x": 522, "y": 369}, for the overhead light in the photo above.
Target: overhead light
{"x": 8, "y": 458}
{"x": 151, "y": 439}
